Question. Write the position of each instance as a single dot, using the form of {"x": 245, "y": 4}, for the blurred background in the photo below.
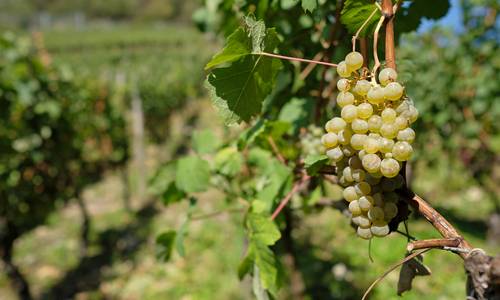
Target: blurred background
{"x": 97, "y": 95}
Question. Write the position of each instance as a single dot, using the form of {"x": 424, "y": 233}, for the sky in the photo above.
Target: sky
{"x": 451, "y": 20}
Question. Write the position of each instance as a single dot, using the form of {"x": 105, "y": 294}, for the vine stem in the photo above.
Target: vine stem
{"x": 375, "y": 45}
{"x": 390, "y": 53}
{"x": 299, "y": 185}
{"x": 355, "y": 37}
{"x": 324, "y": 63}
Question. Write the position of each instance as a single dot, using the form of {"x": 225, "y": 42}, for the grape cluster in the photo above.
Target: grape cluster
{"x": 369, "y": 142}
{"x": 310, "y": 141}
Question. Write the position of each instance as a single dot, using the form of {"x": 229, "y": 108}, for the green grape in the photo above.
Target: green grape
{"x": 362, "y": 221}
{"x": 372, "y": 180}
{"x": 335, "y": 154}
{"x": 413, "y": 113}
{"x": 402, "y": 107}
{"x": 391, "y": 197}
{"x": 402, "y": 151}
{"x": 347, "y": 173}
{"x": 388, "y": 184}
{"x": 345, "y": 136}
{"x": 376, "y": 213}
{"x": 343, "y": 85}
{"x": 365, "y": 110}
{"x": 393, "y": 91}
{"x": 364, "y": 233}
{"x": 401, "y": 122}
{"x": 330, "y": 140}
{"x": 361, "y": 154}
{"x": 343, "y": 70}
{"x": 388, "y": 131}
{"x": 406, "y": 135}
{"x": 377, "y": 174}
{"x": 378, "y": 200}
{"x": 358, "y": 141}
{"x": 371, "y": 163}
{"x": 348, "y": 151}
{"x": 354, "y": 60}
{"x": 390, "y": 210}
{"x": 371, "y": 145}
{"x": 358, "y": 175}
{"x": 354, "y": 207}
{"x": 355, "y": 162}
{"x": 389, "y": 167}
{"x": 362, "y": 87}
{"x": 375, "y": 95}
{"x": 343, "y": 182}
{"x": 379, "y": 229}
{"x": 388, "y": 115}
{"x": 335, "y": 125}
{"x": 366, "y": 202}
{"x": 349, "y": 113}
{"x": 376, "y": 188}
{"x": 387, "y": 75}
{"x": 345, "y": 98}
{"x": 362, "y": 188}
{"x": 374, "y": 123}
{"x": 385, "y": 145}
{"x": 359, "y": 125}
{"x": 350, "y": 194}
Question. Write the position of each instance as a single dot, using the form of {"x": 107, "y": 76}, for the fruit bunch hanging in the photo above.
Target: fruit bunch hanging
{"x": 369, "y": 142}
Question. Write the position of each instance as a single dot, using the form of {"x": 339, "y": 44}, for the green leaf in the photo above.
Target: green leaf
{"x": 228, "y": 161}
{"x": 314, "y": 163}
{"x": 165, "y": 245}
{"x": 250, "y": 134}
{"x": 221, "y": 106}
{"x": 172, "y": 194}
{"x": 204, "y": 141}
{"x": 298, "y": 112}
{"x": 263, "y": 229}
{"x": 267, "y": 263}
{"x": 238, "y": 45}
{"x": 258, "y": 290}
{"x": 192, "y": 175}
{"x": 309, "y": 5}
{"x": 356, "y": 12}
{"x": 245, "y": 83}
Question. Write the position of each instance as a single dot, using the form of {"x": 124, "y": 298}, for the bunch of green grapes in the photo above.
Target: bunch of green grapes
{"x": 310, "y": 141}
{"x": 369, "y": 143}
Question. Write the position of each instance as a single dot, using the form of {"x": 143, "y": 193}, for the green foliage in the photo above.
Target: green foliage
{"x": 192, "y": 174}
{"x": 356, "y": 12}
{"x": 165, "y": 245}
{"x": 314, "y": 163}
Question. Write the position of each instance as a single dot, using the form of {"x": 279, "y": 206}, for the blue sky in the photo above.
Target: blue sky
{"x": 453, "y": 18}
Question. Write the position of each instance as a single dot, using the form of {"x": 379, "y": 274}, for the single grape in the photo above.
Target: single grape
{"x": 361, "y": 154}
{"x": 355, "y": 162}
{"x": 350, "y": 194}
{"x": 385, "y": 145}
{"x": 388, "y": 184}
{"x": 393, "y": 91}
{"x": 354, "y": 60}
{"x": 343, "y": 70}
{"x": 330, "y": 140}
{"x": 354, "y": 207}
{"x": 390, "y": 210}
{"x": 391, "y": 197}
{"x": 366, "y": 202}
{"x": 402, "y": 151}
{"x": 343, "y": 182}
{"x": 377, "y": 174}
{"x": 401, "y": 122}
{"x": 345, "y": 98}
{"x": 374, "y": 123}
{"x": 359, "y": 125}
{"x": 371, "y": 163}
{"x": 348, "y": 151}
{"x": 388, "y": 130}
{"x": 335, "y": 125}
{"x": 362, "y": 87}
{"x": 371, "y": 145}
{"x": 349, "y": 113}
{"x": 379, "y": 229}
{"x": 378, "y": 200}
{"x": 343, "y": 85}
{"x": 362, "y": 188}
{"x": 365, "y": 110}
{"x": 389, "y": 167}
{"x": 375, "y": 95}
{"x": 376, "y": 213}
{"x": 388, "y": 115}
{"x": 335, "y": 154}
{"x": 362, "y": 221}
{"x": 387, "y": 75}
{"x": 358, "y": 175}
{"x": 413, "y": 113}
{"x": 344, "y": 136}
{"x": 372, "y": 180}
{"x": 404, "y": 106}
{"x": 406, "y": 135}
{"x": 358, "y": 141}
{"x": 364, "y": 233}
{"x": 347, "y": 173}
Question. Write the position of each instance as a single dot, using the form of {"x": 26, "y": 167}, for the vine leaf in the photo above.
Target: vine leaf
{"x": 356, "y": 12}
{"x": 410, "y": 269}
{"x": 165, "y": 245}
{"x": 262, "y": 233}
{"x": 172, "y": 194}
{"x": 204, "y": 141}
{"x": 192, "y": 174}
{"x": 239, "y": 89}
{"x": 313, "y": 163}
{"x": 309, "y": 5}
